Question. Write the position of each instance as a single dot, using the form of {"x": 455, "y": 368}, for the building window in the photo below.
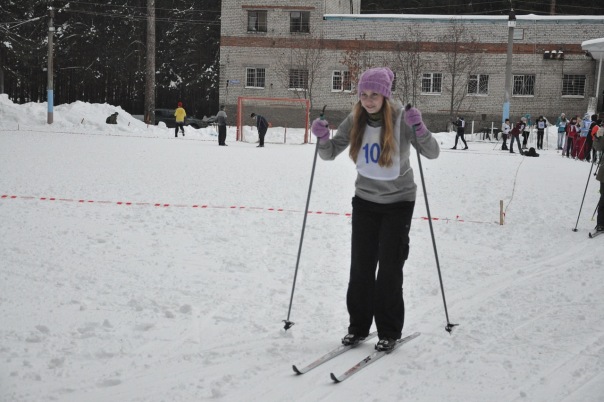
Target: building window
{"x": 432, "y": 83}
{"x": 255, "y": 77}
{"x": 299, "y": 22}
{"x": 573, "y": 85}
{"x": 298, "y": 79}
{"x": 340, "y": 81}
{"x": 478, "y": 84}
{"x": 524, "y": 85}
{"x": 256, "y": 21}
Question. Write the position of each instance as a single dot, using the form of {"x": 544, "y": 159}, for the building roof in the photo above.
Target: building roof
{"x": 546, "y": 19}
{"x": 595, "y": 47}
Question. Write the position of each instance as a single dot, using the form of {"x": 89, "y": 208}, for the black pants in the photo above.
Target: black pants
{"x": 569, "y": 146}
{"x": 504, "y": 145}
{"x": 525, "y": 137}
{"x": 517, "y": 138}
{"x": 539, "y": 139}
{"x": 457, "y": 137}
{"x": 380, "y": 234}
{"x": 221, "y": 135}
{"x": 182, "y": 128}
{"x": 261, "y": 134}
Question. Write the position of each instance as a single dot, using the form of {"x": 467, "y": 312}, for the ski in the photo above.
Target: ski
{"x": 371, "y": 359}
{"x": 595, "y": 234}
{"x": 330, "y": 355}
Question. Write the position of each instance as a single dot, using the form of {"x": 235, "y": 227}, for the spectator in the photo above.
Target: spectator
{"x": 221, "y": 121}
{"x": 572, "y": 132}
{"x": 526, "y": 132}
{"x": 518, "y": 128}
{"x": 506, "y": 128}
{"x": 180, "y": 115}
{"x": 262, "y": 126}
{"x": 112, "y": 119}
{"x": 541, "y": 127}
{"x": 561, "y": 124}
{"x": 598, "y": 145}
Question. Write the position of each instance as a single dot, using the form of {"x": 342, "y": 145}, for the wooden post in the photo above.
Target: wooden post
{"x": 501, "y": 212}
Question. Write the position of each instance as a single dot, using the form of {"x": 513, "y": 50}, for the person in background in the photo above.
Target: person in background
{"x": 461, "y": 129}
{"x": 594, "y": 132}
{"x": 518, "y": 128}
{"x": 180, "y": 115}
{"x": 572, "y": 132}
{"x": 598, "y": 145}
{"x": 506, "y": 128}
{"x": 112, "y": 119}
{"x": 561, "y": 124}
{"x": 589, "y": 138}
{"x": 379, "y": 135}
{"x": 221, "y": 121}
{"x": 541, "y": 127}
{"x": 262, "y": 126}
{"x": 527, "y": 130}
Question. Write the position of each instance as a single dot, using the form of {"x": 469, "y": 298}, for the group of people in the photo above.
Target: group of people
{"x": 221, "y": 121}
{"x": 576, "y": 136}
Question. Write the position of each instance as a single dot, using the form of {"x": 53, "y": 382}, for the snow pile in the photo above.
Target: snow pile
{"x": 135, "y": 266}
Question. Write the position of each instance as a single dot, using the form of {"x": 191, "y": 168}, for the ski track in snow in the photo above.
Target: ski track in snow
{"x": 137, "y": 303}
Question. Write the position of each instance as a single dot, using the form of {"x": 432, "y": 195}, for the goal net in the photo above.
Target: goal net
{"x": 288, "y": 119}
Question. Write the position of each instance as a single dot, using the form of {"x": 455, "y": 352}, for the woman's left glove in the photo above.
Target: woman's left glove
{"x": 320, "y": 129}
{"x": 413, "y": 117}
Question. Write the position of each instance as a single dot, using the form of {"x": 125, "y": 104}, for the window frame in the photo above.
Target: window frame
{"x": 524, "y": 84}
{"x": 567, "y": 77}
{"x": 298, "y": 75}
{"x": 302, "y": 26}
{"x": 433, "y": 78}
{"x": 257, "y": 77}
{"x": 258, "y": 23}
{"x": 478, "y": 84}
{"x": 344, "y": 80}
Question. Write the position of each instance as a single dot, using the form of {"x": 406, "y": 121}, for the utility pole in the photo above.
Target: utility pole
{"x": 51, "y": 31}
{"x": 508, "y": 66}
{"x": 150, "y": 65}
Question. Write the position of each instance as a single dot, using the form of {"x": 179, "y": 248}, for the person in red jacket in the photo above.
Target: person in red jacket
{"x": 572, "y": 132}
{"x": 516, "y": 131}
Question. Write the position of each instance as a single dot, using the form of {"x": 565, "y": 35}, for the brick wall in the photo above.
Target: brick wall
{"x": 380, "y": 41}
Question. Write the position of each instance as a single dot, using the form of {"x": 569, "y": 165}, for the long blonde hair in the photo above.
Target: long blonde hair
{"x": 387, "y": 141}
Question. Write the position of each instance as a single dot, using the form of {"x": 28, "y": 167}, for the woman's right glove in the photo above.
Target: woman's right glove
{"x": 320, "y": 129}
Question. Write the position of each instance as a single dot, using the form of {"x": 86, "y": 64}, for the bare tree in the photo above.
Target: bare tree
{"x": 356, "y": 61}
{"x": 408, "y": 65}
{"x": 462, "y": 57}
{"x": 300, "y": 66}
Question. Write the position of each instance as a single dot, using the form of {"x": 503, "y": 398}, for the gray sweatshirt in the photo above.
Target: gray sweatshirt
{"x": 403, "y": 188}
{"x": 221, "y": 118}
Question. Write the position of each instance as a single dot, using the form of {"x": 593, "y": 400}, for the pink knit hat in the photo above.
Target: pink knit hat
{"x": 377, "y": 80}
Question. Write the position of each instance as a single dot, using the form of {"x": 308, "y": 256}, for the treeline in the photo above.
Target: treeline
{"x": 484, "y": 7}
{"x": 100, "y": 52}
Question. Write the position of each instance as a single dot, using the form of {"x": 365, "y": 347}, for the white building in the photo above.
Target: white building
{"x": 445, "y": 65}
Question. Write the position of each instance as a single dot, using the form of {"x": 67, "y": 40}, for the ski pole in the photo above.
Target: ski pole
{"x": 288, "y": 323}
{"x": 585, "y": 192}
{"x": 449, "y": 326}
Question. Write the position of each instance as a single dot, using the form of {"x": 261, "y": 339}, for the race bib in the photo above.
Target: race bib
{"x": 371, "y": 150}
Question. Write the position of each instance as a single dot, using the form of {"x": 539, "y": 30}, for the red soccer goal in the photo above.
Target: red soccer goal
{"x": 281, "y": 113}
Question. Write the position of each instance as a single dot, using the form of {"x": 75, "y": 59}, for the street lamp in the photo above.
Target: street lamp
{"x": 508, "y": 66}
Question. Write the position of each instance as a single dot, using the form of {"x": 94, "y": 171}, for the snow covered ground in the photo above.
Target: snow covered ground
{"x": 135, "y": 266}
